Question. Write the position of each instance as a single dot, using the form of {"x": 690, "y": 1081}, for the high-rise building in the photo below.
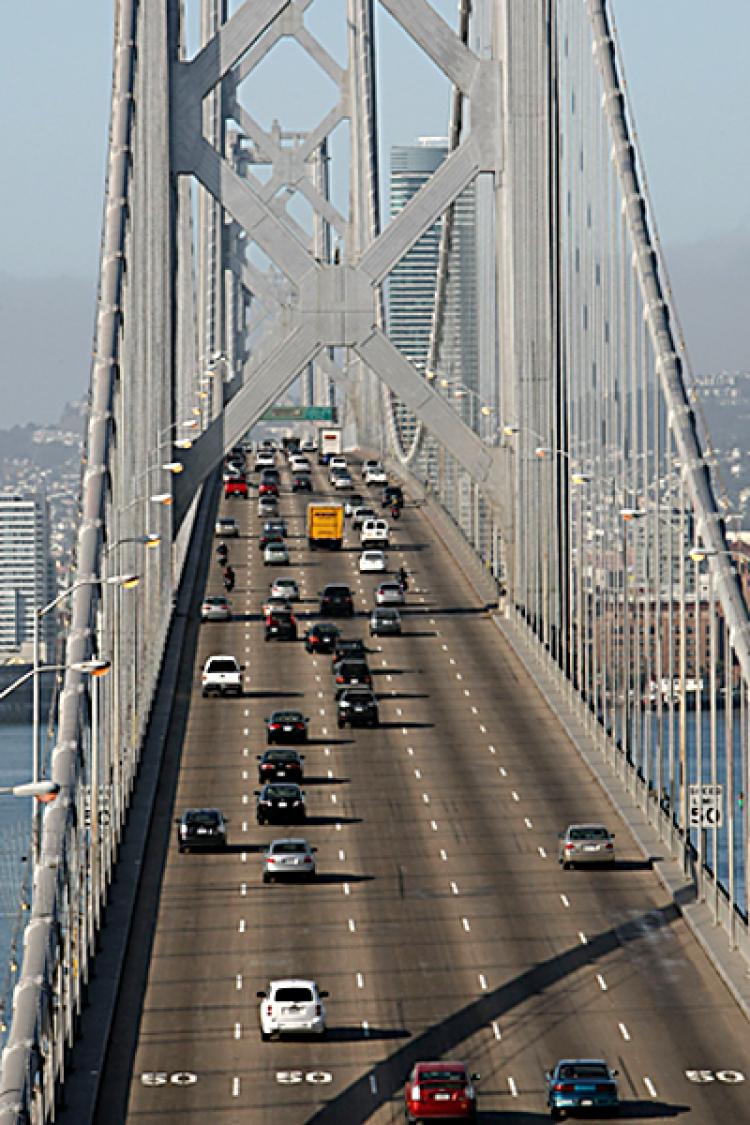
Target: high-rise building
{"x": 26, "y": 572}
{"x": 411, "y": 285}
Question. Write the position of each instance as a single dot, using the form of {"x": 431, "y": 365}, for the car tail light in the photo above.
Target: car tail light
{"x": 339, "y": 679}
{"x": 266, "y": 766}
{"x": 300, "y": 726}
{"x": 609, "y": 846}
{"x": 274, "y": 726}
{"x": 564, "y": 1088}
{"x": 269, "y": 1009}
{"x": 308, "y": 859}
{"x": 416, "y": 1093}
{"x": 603, "y": 1088}
{"x": 270, "y": 859}
{"x": 317, "y": 1009}
{"x": 569, "y": 847}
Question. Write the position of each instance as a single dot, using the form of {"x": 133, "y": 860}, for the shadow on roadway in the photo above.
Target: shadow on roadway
{"x": 446, "y": 1037}
{"x": 326, "y": 781}
{"x": 322, "y": 821}
{"x": 405, "y": 726}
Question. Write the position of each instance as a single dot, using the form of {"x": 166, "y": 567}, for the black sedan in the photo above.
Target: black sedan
{"x": 280, "y": 802}
{"x": 354, "y": 673}
{"x": 356, "y": 706}
{"x": 301, "y": 482}
{"x": 280, "y": 765}
{"x": 322, "y": 637}
{"x": 337, "y": 601}
{"x": 286, "y": 726}
{"x": 204, "y": 829}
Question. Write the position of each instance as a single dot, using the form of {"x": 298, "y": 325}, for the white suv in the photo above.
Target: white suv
{"x": 291, "y": 1006}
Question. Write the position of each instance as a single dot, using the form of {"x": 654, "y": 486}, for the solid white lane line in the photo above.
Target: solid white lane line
{"x": 527, "y": 822}
{"x": 602, "y": 982}
{"x": 624, "y": 1032}
{"x": 512, "y": 1086}
{"x": 465, "y": 924}
{"x": 649, "y": 1086}
{"x": 360, "y": 980}
{"x": 238, "y": 1031}
{"x": 496, "y": 1030}
{"x": 565, "y": 901}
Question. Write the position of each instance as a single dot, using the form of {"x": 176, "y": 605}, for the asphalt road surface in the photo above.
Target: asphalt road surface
{"x": 441, "y": 923}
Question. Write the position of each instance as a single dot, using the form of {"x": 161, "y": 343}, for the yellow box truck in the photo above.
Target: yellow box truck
{"x": 325, "y": 526}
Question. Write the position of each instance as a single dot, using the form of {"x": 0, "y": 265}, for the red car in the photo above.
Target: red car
{"x": 441, "y": 1091}
{"x": 268, "y": 488}
{"x": 235, "y": 487}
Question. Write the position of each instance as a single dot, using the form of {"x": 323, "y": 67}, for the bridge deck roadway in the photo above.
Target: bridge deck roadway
{"x": 441, "y": 924}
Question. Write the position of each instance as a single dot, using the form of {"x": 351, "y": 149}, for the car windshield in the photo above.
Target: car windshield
{"x": 584, "y": 1070}
{"x": 286, "y": 717}
{"x": 281, "y": 756}
{"x": 358, "y": 696}
{"x": 222, "y": 664}
{"x": 202, "y": 818}
{"x": 589, "y": 834}
{"x": 216, "y": 601}
{"x": 386, "y": 615}
{"x": 276, "y": 545}
{"x": 289, "y": 847}
{"x": 293, "y": 995}
{"x": 284, "y": 792}
{"x": 337, "y": 592}
{"x": 442, "y": 1076}
{"x": 390, "y": 588}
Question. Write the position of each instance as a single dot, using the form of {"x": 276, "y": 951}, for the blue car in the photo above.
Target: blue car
{"x": 581, "y": 1084}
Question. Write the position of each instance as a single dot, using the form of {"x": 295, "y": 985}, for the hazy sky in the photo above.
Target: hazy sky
{"x": 689, "y": 84}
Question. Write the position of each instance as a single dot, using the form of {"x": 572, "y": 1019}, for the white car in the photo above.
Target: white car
{"x": 342, "y": 482}
{"x": 216, "y": 608}
{"x": 390, "y": 593}
{"x": 374, "y": 533}
{"x": 268, "y": 506}
{"x": 291, "y": 1006}
{"x": 338, "y": 461}
{"x": 376, "y": 476}
{"x": 361, "y": 513}
{"x": 264, "y": 461}
{"x": 227, "y": 527}
{"x": 222, "y": 675}
{"x": 372, "y": 562}
{"x": 300, "y": 465}
{"x": 368, "y": 465}
{"x": 276, "y": 553}
{"x": 285, "y": 588}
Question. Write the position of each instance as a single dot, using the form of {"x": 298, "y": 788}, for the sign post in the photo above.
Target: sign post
{"x": 706, "y": 806}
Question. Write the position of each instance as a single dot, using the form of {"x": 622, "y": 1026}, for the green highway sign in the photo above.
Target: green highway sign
{"x": 298, "y": 414}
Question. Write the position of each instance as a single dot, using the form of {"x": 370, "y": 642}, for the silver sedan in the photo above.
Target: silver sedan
{"x": 216, "y": 609}
{"x": 389, "y": 593}
{"x": 586, "y": 843}
{"x": 288, "y": 858}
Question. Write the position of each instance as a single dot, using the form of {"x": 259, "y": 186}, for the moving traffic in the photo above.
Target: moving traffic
{"x": 411, "y": 880}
